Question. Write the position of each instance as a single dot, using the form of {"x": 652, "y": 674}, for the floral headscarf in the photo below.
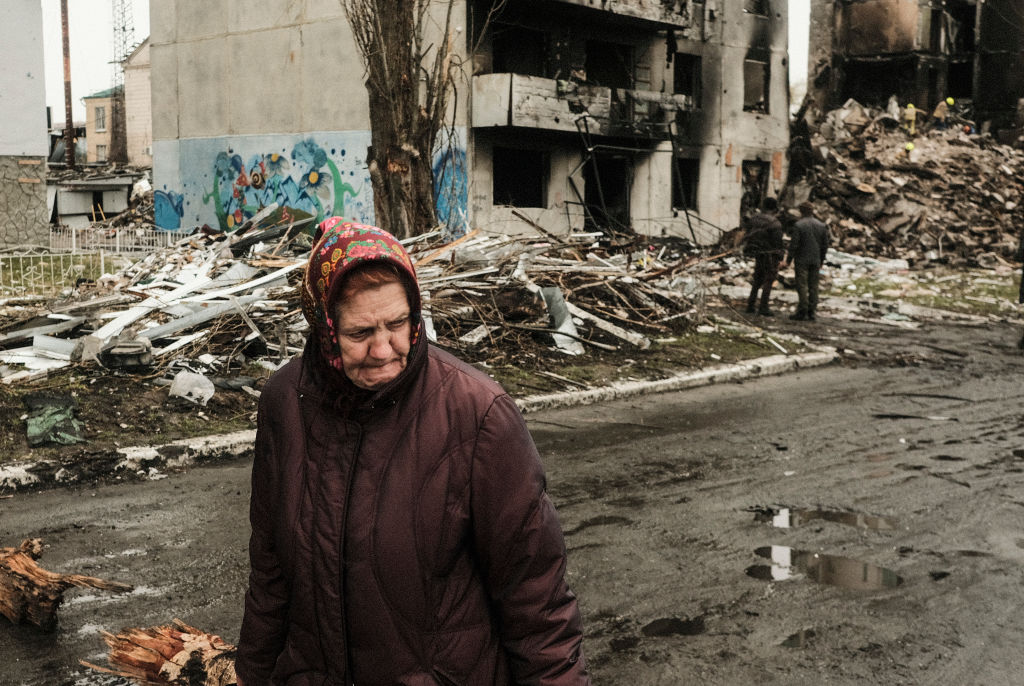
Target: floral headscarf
{"x": 339, "y": 247}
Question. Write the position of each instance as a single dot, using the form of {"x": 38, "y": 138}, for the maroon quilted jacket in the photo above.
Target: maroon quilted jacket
{"x": 403, "y": 536}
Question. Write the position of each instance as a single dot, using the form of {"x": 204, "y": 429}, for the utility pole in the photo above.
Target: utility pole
{"x": 123, "y": 39}
{"x": 69, "y": 125}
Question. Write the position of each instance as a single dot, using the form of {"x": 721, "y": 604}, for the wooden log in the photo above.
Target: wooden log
{"x": 179, "y": 655}
{"x": 31, "y": 594}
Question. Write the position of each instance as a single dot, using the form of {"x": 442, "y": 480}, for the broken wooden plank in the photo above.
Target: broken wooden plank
{"x": 636, "y": 339}
{"x": 31, "y": 594}
{"x": 178, "y": 654}
{"x": 67, "y": 324}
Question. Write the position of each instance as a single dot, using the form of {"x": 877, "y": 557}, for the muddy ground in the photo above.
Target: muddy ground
{"x": 900, "y": 472}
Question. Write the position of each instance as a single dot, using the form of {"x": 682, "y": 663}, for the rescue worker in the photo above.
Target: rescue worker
{"x": 910, "y": 119}
{"x": 940, "y": 115}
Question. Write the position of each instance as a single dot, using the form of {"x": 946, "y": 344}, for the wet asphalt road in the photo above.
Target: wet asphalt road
{"x": 663, "y": 499}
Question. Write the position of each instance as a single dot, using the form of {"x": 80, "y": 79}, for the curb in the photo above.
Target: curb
{"x": 146, "y": 462}
{"x": 761, "y": 366}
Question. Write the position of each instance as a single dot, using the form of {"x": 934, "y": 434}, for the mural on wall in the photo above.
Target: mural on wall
{"x": 222, "y": 182}
{"x": 451, "y": 189}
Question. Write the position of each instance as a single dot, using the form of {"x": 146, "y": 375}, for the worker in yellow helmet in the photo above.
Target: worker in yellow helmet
{"x": 940, "y": 115}
{"x": 910, "y": 119}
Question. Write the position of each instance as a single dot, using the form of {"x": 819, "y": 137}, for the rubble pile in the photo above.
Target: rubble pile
{"x": 945, "y": 195}
{"x": 214, "y": 303}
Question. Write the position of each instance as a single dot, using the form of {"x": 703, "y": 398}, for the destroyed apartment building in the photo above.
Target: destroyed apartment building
{"x": 922, "y": 51}
{"x": 631, "y": 116}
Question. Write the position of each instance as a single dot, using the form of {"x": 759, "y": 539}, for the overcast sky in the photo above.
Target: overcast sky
{"x": 91, "y": 39}
{"x": 91, "y": 34}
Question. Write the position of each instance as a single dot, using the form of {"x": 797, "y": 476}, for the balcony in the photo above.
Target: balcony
{"x": 513, "y": 100}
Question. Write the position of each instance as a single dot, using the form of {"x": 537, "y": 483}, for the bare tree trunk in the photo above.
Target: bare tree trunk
{"x": 31, "y": 594}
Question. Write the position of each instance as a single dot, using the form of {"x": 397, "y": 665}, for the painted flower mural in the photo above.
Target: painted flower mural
{"x": 310, "y": 182}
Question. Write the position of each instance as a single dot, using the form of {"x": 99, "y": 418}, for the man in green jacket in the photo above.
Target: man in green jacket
{"x": 807, "y": 248}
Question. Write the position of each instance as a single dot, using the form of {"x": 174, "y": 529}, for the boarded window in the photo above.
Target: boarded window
{"x": 101, "y": 118}
{"x": 518, "y": 50}
{"x": 685, "y": 179}
{"x": 520, "y": 177}
{"x": 687, "y": 76}
{"x": 756, "y": 81}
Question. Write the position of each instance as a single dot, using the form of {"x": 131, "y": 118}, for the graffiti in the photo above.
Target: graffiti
{"x": 451, "y": 189}
{"x": 310, "y": 181}
{"x": 168, "y": 209}
{"x": 225, "y": 181}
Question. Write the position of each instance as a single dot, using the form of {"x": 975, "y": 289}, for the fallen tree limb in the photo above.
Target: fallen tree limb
{"x": 31, "y": 594}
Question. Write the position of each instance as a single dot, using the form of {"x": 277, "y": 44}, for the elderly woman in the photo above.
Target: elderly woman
{"x": 401, "y": 533}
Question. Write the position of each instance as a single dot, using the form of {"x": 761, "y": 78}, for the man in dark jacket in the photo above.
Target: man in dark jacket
{"x": 807, "y": 248}
{"x": 764, "y": 243}
{"x": 401, "y": 532}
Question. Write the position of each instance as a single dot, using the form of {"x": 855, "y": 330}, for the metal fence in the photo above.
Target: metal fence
{"x": 120, "y": 240}
{"x": 76, "y": 255}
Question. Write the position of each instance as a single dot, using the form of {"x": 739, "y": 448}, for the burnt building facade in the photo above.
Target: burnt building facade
{"x": 663, "y": 117}
{"x": 921, "y": 51}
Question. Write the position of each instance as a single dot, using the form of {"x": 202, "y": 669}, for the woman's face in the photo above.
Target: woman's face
{"x": 374, "y": 331}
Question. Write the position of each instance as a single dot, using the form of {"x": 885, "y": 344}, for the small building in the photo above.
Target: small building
{"x": 138, "y": 106}
{"x": 23, "y": 135}
{"x": 99, "y": 113}
{"x": 664, "y": 118}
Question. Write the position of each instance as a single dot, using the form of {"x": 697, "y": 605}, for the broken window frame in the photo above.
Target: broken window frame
{"x": 101, "y": 152}
{"x": 757, "y": 69}
{"x": 517, "y": 164}
{"x": 524, "y": 56}
{"x": 685, "y": 183}
{"x": 688, "y": 81}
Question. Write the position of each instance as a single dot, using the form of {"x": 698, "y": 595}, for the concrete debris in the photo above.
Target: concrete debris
{"x": 946, "y": 195}
{"x": 215, "y": 302}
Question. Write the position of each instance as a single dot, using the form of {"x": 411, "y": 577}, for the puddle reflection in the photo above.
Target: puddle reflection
{"x": 844, "y": 572}
{"x": 787, "y": 518}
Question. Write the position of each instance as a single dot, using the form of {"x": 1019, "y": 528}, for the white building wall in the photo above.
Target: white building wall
{"x": 24, "y": 140}
{"x": 22, "y": 87}
{"x": 252, "y": 106}
{"x": 138, "y": 107}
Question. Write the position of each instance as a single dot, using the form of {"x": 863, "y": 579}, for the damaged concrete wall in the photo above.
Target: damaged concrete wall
{"x": 1000, "y": 67}
{"x": 871, "y": 27}
{"x": 727, "y": 135}
{"x": 255, "y": 107}
{"x": 23, "y": 136}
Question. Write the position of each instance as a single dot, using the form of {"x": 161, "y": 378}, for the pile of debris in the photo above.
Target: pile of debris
{"x": 215, "y": 302}
{"x": 946, "y": 195}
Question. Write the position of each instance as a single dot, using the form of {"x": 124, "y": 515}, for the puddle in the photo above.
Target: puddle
{"x": 844, "y": 572}
{"x": 788, "y": 518}
{"x": 670, "y": 626}
{"x": 800, "y": 639}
